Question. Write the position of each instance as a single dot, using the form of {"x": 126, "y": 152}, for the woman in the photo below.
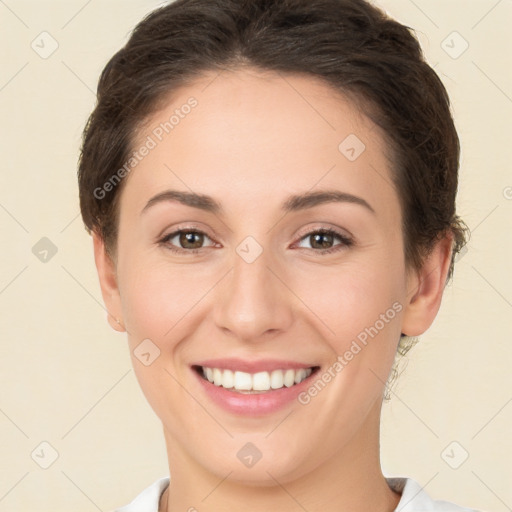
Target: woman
{"x": 270, "y": 186}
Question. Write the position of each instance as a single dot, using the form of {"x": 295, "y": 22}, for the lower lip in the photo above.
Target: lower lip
{"x": 256, "y": 404}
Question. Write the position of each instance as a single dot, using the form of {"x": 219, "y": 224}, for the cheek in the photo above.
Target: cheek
{"x": 158, "y": 305}
{"x": 359, "y": 314}
{"x": 351, "y": 298}
{"x": 163, "y": 301}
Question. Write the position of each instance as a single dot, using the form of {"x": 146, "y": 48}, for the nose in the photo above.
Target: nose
{"x": 253, "y": 300}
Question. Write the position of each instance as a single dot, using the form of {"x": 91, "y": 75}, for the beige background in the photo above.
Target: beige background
{"x": 66, "y": 377}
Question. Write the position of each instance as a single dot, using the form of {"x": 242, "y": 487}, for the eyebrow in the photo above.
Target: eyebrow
{"x": 292, "y": 204}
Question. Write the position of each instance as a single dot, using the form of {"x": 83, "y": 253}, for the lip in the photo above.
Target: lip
{"x": 263, "y": 365}
{"x": 258, "y": 404}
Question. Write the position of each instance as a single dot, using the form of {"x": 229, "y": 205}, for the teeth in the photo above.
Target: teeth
{"x": 255, "y": 382}
{"x": 242, "y": 381}
{"x": 261, "y": 381}
{"x": 300, "y": 375}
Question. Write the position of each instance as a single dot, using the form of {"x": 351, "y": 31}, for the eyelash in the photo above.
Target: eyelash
{"x": 346, "y": 241}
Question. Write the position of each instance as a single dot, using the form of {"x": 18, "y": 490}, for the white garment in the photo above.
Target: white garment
{"x": 414, "y": 498}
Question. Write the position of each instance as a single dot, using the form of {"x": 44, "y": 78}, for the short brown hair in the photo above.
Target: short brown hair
{"x": 349, "y": 44}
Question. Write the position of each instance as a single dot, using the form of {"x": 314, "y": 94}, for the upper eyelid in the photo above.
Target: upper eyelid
{"x": 177, "y": 231}
{"x": 336, "y": 231}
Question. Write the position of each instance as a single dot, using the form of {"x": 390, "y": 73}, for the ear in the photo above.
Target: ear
{"x": 108, "y": 283}
{"x": 425, "y": 288}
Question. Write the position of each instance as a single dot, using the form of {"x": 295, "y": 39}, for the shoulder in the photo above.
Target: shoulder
{"x": 148, "y": 499}
{"x": 415, "y": 498}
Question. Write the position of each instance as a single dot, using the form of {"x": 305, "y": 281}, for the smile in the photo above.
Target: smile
{"x": 251, "y": 383}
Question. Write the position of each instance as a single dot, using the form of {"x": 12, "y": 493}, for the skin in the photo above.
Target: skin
{"x": 252, "y": 141}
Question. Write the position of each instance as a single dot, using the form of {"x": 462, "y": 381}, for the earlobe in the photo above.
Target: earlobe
{"x": 108, "y": 283}
{"x": 426, "y": 287}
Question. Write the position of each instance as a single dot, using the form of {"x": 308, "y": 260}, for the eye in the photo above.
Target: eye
{"x": 184, "y": 240}
{"x": 188, "y": 240}
{"x": 323, "y": 240}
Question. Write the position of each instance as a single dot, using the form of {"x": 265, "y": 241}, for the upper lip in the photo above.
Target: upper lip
{"x": 261, "y": 365}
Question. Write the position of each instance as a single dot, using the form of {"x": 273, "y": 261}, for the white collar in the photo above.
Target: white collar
{"x": 414, "y": 498}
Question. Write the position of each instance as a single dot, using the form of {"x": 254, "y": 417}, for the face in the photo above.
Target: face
{"x": 299, "y": 266}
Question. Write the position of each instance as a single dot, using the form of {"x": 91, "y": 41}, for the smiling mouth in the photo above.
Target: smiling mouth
{"x": 254, "y": 383}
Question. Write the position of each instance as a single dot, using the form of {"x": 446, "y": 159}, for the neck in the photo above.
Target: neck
{"x": 350, "y": 479}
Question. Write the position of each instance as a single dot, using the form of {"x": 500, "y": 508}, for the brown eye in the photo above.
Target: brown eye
{"x": 193, "y": 238}
{"x": 323, "y": 241}
{"x": 185, "y": 240}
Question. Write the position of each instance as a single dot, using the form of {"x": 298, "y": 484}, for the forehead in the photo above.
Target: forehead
{"x": 250, "y": 134}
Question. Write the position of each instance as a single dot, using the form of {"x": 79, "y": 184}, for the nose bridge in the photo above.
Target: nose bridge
{"x": 252, "y": 300}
